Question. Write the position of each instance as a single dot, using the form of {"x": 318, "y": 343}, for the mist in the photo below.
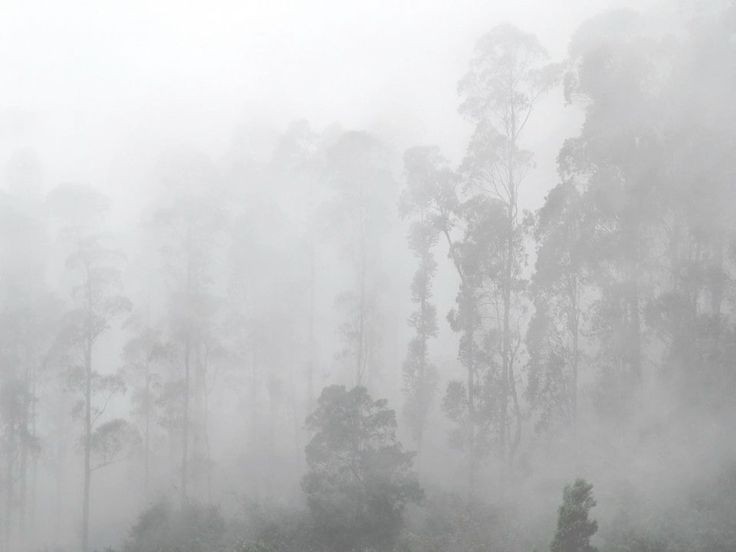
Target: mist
{"x": 349, "y": 276}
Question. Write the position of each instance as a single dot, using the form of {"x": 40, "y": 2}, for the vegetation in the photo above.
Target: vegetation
{"x": 314, "y": 342}
{"x": 574, "y": 528}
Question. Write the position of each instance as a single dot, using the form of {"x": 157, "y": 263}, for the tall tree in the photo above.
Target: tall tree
{"x": 299, "y": 159}
{"x": 508, "y": 74}
{"x": 616, "y": 160}
{"x": 28, "y": 316}
{"x": 690, "y": 311}
{"x": 554, "y": 332}
{"x": 468, "y": 232}
{"x": 357, "y": 166}
{"x": 144, "y": 356}
{"x": 474, "y": 404}
{"x": 190, "y": 220}
{"x": 96, "y": 302}
{"x": 425, "y": 176}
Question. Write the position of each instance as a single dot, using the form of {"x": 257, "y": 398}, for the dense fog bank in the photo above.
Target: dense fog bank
{"x": 385, "y": 285}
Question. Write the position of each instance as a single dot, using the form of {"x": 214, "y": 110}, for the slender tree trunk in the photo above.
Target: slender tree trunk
{"x": 10, "y": 486}
{"x": 24, "y": 450}
{"x": 361, "y": 352}
{"x": 147, "y": 434}
{"x": 185, "y": 423}
{"x": 312, "y": 347}
{"x": 636, "y": 362}
{"x": 472, "y": 416}
{"x": 469, "y": 329}
{"x": 254, "y": 427}
{"x": 199, "y": 423}
{"x": 205, "y": 423}
{"x": 509, "y": 383}
{"x": 421, "y": 376}
{"x": 23, "y": 483}
{"x": 362, "y": 342}
{"x": 717, "y": 289}
{"x": 575, "y": 329}
{"x": 87, "y": 443}
{"x": 505, "y": 357}
{"x": 60, "y": 479}
{"x": 34, "y": 458}
{"x": 271, "y": 440}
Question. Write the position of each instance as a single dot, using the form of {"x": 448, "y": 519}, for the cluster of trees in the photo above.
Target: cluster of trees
{"x": 591, "y": 336}
{"x": 117, "y": 350}
{"x": 358, "y": 485}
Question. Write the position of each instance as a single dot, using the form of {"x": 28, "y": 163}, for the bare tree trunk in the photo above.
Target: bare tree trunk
{"x": 574, "y": 324}
{"x": 508, "y": 383}
{"x": 312, "y": 347}
{"x": 362, "y": 344}
{"x": 10, "y": 487}
{"x": 147, "y": 434}
{"x": 361, "y": 350}
{"x": 87, "y": 442}
{"x": 253, "y": 430}
{"x": 24, "y": 449}
{"x": 204, "y": 412}
{"x": 421, "y": 392}
{"x": 636, "y": 354}
{"x": 185, "y": 423}
{"x": 34, "y": 459}
{"x": 23, "y": 481}
{"x": 472, "y": 416}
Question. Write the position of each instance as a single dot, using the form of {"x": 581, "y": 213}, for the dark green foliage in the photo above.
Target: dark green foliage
{"x": 359, "y": 478}
{"x": 574, "y": 528}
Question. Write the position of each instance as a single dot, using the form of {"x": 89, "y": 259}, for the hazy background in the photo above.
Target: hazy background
{"x": 115, "y": 82}
{"x": 145, "y": 101}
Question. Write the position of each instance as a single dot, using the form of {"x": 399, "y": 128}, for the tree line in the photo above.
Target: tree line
{"x": 251, "y": 308}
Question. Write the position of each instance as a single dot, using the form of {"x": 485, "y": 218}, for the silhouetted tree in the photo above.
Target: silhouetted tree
{"x": 359, "y": 479}
{"x": 424, "y": 178}
{"x": 508, "y": 74}
{"x": 574, "y": 528}
{"x": 190, "y": 220}
{"x": 97, "y": 302}
{"x": 358, "y": 168}
{"x": 144, "y": 356}
{"x": 553, "y": 335}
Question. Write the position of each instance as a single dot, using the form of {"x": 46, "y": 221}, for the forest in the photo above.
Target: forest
{"x": 320, "y": 337}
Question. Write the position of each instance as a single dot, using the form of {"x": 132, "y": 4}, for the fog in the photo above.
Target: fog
{"x": 359, "y": 276}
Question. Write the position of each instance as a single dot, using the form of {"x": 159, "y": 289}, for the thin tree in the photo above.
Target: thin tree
{"x": 508, "y": 74}
{"x": 423, "y": 180}
{"x": 189, "y": 223}
{"x": 553, "y": 335}
{"x": 144, "y": 356}
{"x": 357, "y": 166}
{"x": 97, "y": 303}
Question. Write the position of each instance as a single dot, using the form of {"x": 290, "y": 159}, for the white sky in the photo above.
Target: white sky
{"x": 82, "y": 81}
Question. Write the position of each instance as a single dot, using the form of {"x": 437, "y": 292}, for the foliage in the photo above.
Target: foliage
{"x": 574, "y": 528}
{"x": 359, "y": 479}
{"x": 426, "y": 175}
{"x": 110, "y": 440}
{"x": 193, "y": 528}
